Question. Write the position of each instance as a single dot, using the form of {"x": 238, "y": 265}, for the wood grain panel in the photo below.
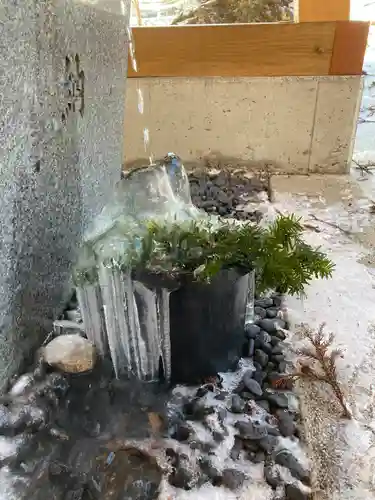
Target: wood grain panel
{"x": 322, "y": 10}
{"x": 234, "y": 50}
{"x": 349, "y": 48}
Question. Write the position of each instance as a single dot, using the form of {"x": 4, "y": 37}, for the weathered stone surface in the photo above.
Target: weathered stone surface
{"x": 60, "y": 154}
{"x": 70, "y": 353}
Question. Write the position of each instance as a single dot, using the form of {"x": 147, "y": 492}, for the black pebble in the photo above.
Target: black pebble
{"x": 261, "y": 357}
{"x": 251, "y": 331}
{"x": 264, "y": 302}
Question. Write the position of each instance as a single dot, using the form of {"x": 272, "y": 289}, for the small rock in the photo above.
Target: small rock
{"x": 268, "y": 443}
{"x": 271, "y": 367}
{"x": 248, "y": 396}
{"x": 197, "y": 409}
{"x": 251, "y": 430}
{"x": 264, "y": 302}
{"x": 271, "y": 312}
{"x": 182, "y": 432}
{"x": 278, "y": 358}
{"x": 23, "y": 383}
{"x": 261, "y": 357}
{"x": 258, "y": 457}
{"x": 271, "y": 326}
{"x": 273, "y": 430}
{"x": 251, "y": 331}
{"x": 201, "y": 446}
{"x": 264, "y": 337}
{"x": 233, "y": 479}
{"x": 277, "y": 301}
{"x": 259, "y": 377}
{"x": 257, "y": 366}
{"x": 280, "y": 400}
{"x": 277, "y": 349}
{"x": 238, "y": 405}
{"x": 209, "y": 469}
{"x": 184, "y": 475}
{"x": 259, "y": 311}
{"x": 288, "y": 460}
{"x": 70, "y": 353}
{"x": 251, "y": 347}
{"x": 251, "y": 446}
{"x": 252, "y": 385}
{"x": 280, "y": 334}
{"x": 293, "y": 492}
{"x": 275, "y": 340}
{"x": 272, "y": 476}
{"x": 267, "y": 348}
{"x": 236, "y": 449}
{"x": 264, "y": 404}
{"x": 221, "y": 395}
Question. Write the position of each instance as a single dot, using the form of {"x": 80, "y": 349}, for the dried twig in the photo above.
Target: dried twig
{"x": 332, "y": 224}
{"x": 318, "y": 363}
{"x": 364, "y": 168}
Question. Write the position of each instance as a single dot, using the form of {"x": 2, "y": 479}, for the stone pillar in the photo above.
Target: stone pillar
{"x": 62, "y": 82}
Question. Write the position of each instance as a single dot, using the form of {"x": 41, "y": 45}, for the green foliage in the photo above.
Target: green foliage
{"x": 277, "y": 253}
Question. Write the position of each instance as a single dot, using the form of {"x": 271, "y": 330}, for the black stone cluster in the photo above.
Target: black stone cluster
{"x": 257, "y": 439}
{"x": 224, "y": 194}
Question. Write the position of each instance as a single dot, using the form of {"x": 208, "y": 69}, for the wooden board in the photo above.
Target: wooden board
{"x": 322, "y": 10}
{"x": 237, "y": 50}
{"x": 349, "y": 48}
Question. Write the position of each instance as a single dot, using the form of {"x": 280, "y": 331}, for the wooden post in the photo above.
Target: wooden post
{"x": 321, "y": 10}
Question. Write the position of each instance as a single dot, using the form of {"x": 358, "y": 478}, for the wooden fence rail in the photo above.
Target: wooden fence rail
{"x": 245, "y": 50}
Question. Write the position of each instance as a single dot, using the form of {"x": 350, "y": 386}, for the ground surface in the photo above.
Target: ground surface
{"x": 337, "y": 212}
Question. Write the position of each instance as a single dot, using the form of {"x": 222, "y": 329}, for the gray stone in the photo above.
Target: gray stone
{"x": 251, "y": 347}
{"x": 287, "y": 424}
{"x": 275, "y": 340}
{"x": 238, "y": 404}
{"x": 278, "y": 399}
{"x": 252, "y": 430}
{"x": 272, "y": 476}
{"x": 60, "y": 160}
{"x": 277, "y": 300}
{"x": 271, "y": 312}
{"x": 260, "y": 311}
{"x": 288, "y": 460}
{"x": 271, "y": 326}
{"x": 252, "y": 385}
{"x": 251, "y": 331}
{"x": 264, "y": 302}
{"x": 261, "y": 357}
{"x": 268, "y": 443}
{"x": 264, "y": 337}
{"x": 233, "y": 479}
{"x": 293, "y": 492}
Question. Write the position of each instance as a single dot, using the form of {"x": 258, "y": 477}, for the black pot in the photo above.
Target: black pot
{"x": 207, "y": 326}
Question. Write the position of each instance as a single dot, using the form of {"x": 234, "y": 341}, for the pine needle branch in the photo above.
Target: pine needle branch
{"x": 318, "y": 363}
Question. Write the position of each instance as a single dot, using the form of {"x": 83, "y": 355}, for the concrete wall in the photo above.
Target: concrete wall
{"x": 292, "y": 124}
{"x": 59, "y": 160}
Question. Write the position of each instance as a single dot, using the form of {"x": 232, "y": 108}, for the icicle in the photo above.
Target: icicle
{"x": 112, "y": 287}
{"x": 149, "y": 327}
{"x": 134, "y": 331}
{"x": 162, "y": 307}
{"x": 91, "y": 306}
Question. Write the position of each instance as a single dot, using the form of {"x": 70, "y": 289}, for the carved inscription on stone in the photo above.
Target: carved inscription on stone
{"x": 74, "y": 87}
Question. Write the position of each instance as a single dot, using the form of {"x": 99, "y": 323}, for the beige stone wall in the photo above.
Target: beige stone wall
{"x": 291, "y": 124}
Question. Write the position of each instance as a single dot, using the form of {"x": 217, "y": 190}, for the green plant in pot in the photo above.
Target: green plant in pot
{"x": 208, "y": 267}
{"x": 195, "y": 251}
